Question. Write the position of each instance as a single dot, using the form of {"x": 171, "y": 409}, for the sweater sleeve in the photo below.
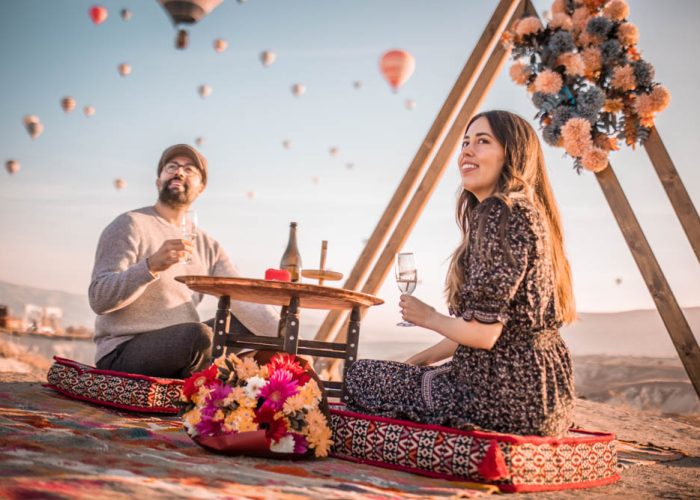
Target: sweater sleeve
{"x": 120, "y": 274}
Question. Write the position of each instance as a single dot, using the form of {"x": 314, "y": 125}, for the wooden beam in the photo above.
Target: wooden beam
{"x": 671, "y": 181}
{"x": 490, "y": 38}
{"x": 668, "y": 308}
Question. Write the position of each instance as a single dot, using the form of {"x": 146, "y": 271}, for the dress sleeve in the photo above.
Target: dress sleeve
{"x": 496, "y": 268}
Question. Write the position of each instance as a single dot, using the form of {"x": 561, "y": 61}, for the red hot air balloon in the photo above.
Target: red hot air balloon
{"x": 397, "y": 66}
{"x": 98, "y": 14}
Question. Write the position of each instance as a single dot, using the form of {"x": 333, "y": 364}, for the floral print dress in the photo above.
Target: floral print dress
{"x": 524, "y": 384}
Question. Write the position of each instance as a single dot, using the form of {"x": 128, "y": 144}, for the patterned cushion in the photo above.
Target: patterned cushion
{"x": 120, "y": 390}
{"x": 582, "y": 459}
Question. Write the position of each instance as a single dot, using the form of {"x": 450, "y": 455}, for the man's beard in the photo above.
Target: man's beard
{"x": 174, "y": 198}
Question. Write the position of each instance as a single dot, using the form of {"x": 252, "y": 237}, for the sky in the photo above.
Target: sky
{"x": 55, "y": 207}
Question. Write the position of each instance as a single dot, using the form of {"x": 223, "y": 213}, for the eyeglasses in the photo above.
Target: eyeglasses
{"x": 189, "y": 169}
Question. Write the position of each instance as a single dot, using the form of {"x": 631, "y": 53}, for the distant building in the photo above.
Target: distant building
{"x": 42, "y": 319}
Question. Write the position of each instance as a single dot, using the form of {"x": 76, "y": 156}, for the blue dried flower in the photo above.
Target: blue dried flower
{"x": 643, "y": 73}
{"x": 538, "y": 99}
{"x": 611, "y": 51}
{"x": 599, "y": 26}
{"x": 551, "y": 135}
{"x": 560, "y": 42}
{"x": 589, "y": 103}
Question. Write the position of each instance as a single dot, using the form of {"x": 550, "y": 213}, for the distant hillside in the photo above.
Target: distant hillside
{"x": 628, "y": 333}
{"x": 76, "y": 310}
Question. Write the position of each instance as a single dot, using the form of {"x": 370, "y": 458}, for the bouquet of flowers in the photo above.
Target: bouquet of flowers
{"x": 269, "y": 404}
{"x": 587, "y": 78}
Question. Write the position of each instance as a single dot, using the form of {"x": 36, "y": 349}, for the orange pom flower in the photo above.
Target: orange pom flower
{"x": 592, "y": 61}
{"x": 528, "y": 26}
{"x": 603, "y": 141}
{"x": 628, "y": 34}
{"x": 586, "y": 39}
{"x": 576, "y": 136}
{"x": 561, "y": 20}
{"x": 559, "y": 7}
{"x": 548, "y": 82}
{"x": 580, "y": 19}
{"x": 613, "y": 105}
{"x": 573, "y": 62}
{"x": 519, "y": 73}
{"x": 617, "y": 10}
{"x": 623, "y": 78}
{"x": 595, "y": 159}
{"x": 661, "y": 97}
{"x": 593, "y": 5}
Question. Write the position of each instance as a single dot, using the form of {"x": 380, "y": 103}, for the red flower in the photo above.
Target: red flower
{"x": 275, "y": 429}
{"x": 204, "y": 377}
{"x": 286, "y": 361}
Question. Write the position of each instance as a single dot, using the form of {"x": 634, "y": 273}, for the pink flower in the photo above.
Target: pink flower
{"x": 616, "y": 10}
{"x": 528, "y": 26}
{"x": 576, "y": 136}
{"x": 209, "y": 425}
{"x": 280, "y": 386}
{"x": 548, "y": 82}
{"x": 623, "y": 78}
{"x": 300, "y": 444}
{"x": 628, "y": 34}
{"x": 285, "y": 361}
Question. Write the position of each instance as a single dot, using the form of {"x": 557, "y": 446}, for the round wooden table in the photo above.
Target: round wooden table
{"x": 292, "y": 296}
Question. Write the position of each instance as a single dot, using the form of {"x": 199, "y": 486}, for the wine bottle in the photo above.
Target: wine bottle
{"x": 291, "y": 259}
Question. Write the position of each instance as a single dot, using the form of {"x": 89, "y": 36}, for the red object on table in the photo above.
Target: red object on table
{"x": 277, "y": 275}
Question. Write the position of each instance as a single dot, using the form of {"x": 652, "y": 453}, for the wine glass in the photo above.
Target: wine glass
{"x": 406, "y": 277}
{"x": 188, "y": 227}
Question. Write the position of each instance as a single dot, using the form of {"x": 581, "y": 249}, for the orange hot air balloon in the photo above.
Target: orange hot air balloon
{"x": 33, "y": 125}
{"x": 267, "y": 57}
{"x": 12, "y": 166}
{"x": 68, "y": 104}
{"x": 119, "y": 184}
{"x": 286, "y": 144}
{"x": 410, "y": 104}
{"x": 397, "y": 66}
{"x": 199, "y": 141}
{"x": 205, "y": 90}
{"x": 316, "y": 180}
{"x": 220, "y": 45}
{"x": 251, "y": 195}
{"x": 124, "y": 69}
{"x": 333, "y": 151}
{"x": 298, "y": 89}
{"x": 98, "y": 14}
{"x": 187, "y": 12}
{"x": 89, "y": 111}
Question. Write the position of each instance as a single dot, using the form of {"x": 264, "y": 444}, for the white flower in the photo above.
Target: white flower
{"x": 254, "y": 385}
{"x": 284, "y": 445}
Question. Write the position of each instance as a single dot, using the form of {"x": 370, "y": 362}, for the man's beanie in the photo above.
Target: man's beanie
{"x": 184, "y": 150}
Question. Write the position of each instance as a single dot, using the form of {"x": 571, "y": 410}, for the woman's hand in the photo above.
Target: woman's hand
{"x": 417, "y": 312}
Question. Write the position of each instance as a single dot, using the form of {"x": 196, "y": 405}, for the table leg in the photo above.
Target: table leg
{"x": 291, "y": 327}
{"x": 351, "y": 346}
{"x": 222, "y": 322}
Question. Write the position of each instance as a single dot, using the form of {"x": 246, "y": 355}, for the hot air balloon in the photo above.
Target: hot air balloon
{"x": 220, "y": 45}
{"x": 68, "y": 104}
{"x": 267, "y": 57}
{"x": 204, "y": 90}
{"x": 12, "y": 166}
{"x": 316, "y": 180}
{"x": 89, "y": 111}
{"x": 349, "y": 165}
{"x": 357, "y": 84}
{"x": 126, "y": 14}
{"x": 33, "y": 125}
{"x": 241, "y": 1}
{"x": 199, "y": 141}
{"x": 286, "y": 144}
{"x": 397, "y": 66}
{"x": 98, "y": 14}
{"x": 298, "y": 89}
{"x": 251, "y": 195}
{"x": 618, "y": 281}
{"x": 124, "y": 69}
{"x": 333, "y": 151}
{"x": 119, "y": 184}
{"x": 187, "y": 12}
{"x": 410, "y": 104}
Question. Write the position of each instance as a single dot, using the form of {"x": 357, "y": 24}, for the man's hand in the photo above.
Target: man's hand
{"x": 169, "y": 254}
{"x": 417, "y": 312}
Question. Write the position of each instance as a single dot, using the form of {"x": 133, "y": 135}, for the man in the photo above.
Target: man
{"x": 147, "y": 322}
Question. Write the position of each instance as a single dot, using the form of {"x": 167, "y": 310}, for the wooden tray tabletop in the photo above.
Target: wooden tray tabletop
{"x": 279, "y": 293}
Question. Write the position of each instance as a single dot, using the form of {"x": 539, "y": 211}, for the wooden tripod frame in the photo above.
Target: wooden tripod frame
{"x": 472, "y": 85}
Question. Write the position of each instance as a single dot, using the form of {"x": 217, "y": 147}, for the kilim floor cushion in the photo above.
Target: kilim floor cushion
{"x": 582, "y": 459}
{"x": 120, "y": 390}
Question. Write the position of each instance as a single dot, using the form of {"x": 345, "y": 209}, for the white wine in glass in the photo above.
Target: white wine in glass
{"x": 188, "y": 226}
{"x": 406, "y": 277}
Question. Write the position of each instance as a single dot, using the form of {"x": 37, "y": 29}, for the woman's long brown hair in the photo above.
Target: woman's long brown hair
{"x": 524, "y": 174}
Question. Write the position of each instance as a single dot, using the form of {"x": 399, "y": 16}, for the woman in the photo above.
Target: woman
{"x": 509, "y": 290}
